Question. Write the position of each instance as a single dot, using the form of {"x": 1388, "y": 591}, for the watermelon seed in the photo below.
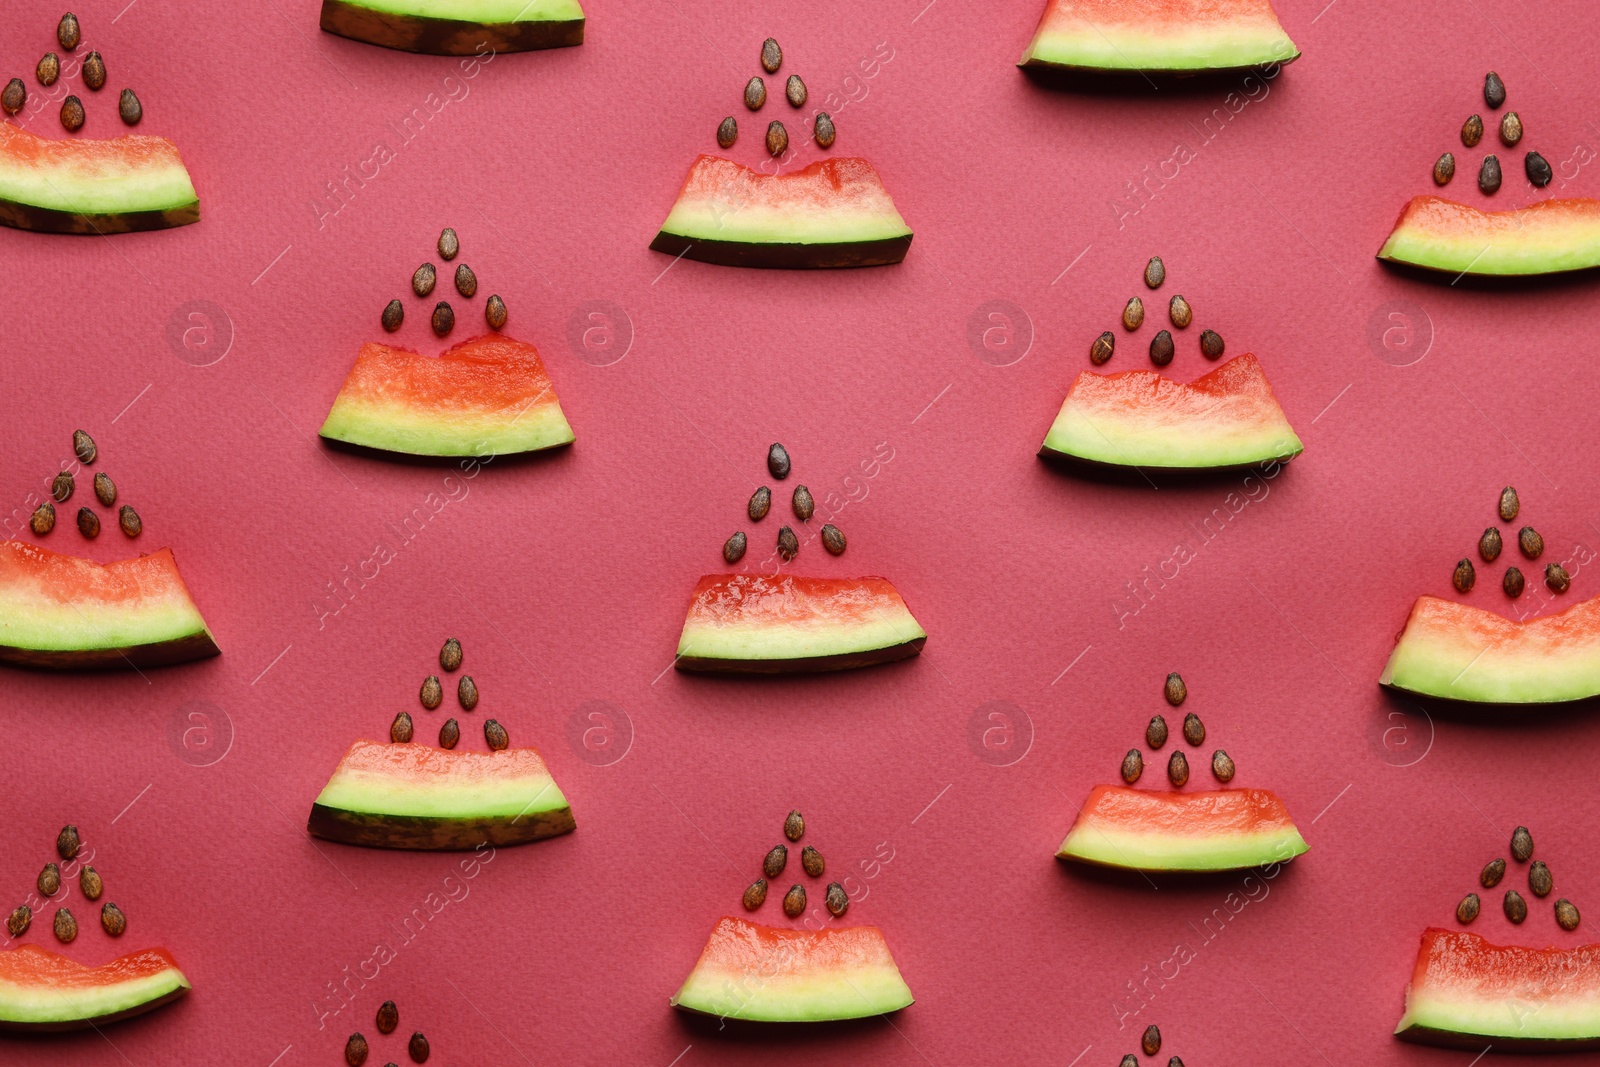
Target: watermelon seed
{"x": 1472, "y": 131}
{"x": 1515, "y": 907}
{"x": 49, "y": 68}
{"x": 423, "y": 279}
{"x": 444, "y": 318}
{"x": 794, "y": 90}
{"x": 1132, "y": 766}
{"x": 775, "y": 861}
{"x": 68, "y": 842}
{"x": 105, "y": 490}
{"x": 1211, "y": 345}
{"x": 44, "y": 519}
{"x": 388, "y": 1017}
{"x": 778, "y": 461}
{"x": 15, "y": 95}
{"x": 1133, "y": 314}
{"x": 1102, "y": 349}
{"x": 733, "y": 548}
{"x": 495, "y": 735}
{"x": 418, "y": 1047}
{"x": 1161, "y": 348}
{"x": 1511, "y": 128}
{"x": 401, "y": 730}
{"x": 1509, "y": 504}
{"x": 1468, "y": 909}
{"x": 1539, "y": 879}
{"x": 1494, "y": 90}
{"x": 1513, "y": 583}
{"x": 1151, "y": 1041}
{"x": 466, "y": 281}
{"x": 1521, "y": 844}
{"x": 449, "y": 246}
{"x": 94, "y": 72}
{"x": 83, "y": 447}
{"x": 1194, "y": 731}
{"x": 49, "y": 880}
{"x": 394, "y": 313}
{"x": 1174, "y": 689}
{"x": 771, "y": 56}
{"x": 61, "y": 487}
{"x": 1464, "y": 576}
{"x": 1566, "y": 914}
{"x": 812, "y": 863}
{"x": 450, "y": 655}
{"x": 67, "y": 32}
{"x": 1155, "y": 735}
{"x": 794, "y": 901}
{"x": 66, "y": 927}
{"x": 794, "y": 826}
{"x": 755, "y": 895}
{"x": 1179, "y": 311}
{"x": 432, "y": 694}
{"x": 112, "y": 919}
{"x": 449, "y": 734}
{"x": 1530, "y": 542}
{"x": 804, "y": 506}
{"x": 129, "y": 521}
{"x": 129, "y": 108}
{"x": 836, "y": 900}
{"x": 88, "y": 523}
{"x": 755, "y": 93}
{"x": 777, "y": 139}
{"x": 1155, "y": 272}
{"x": 1537, "y": 169}
{"x": 1130, "y": 1060}
{"x": 17, "y": 922}
{"x": 494, "y": 312}
{"x": 72, "y": 114}
{"x": 788, "y": 544}
{"x": 760, "y": 503}
{"x": 1489, "y": 545}
{"x": 1444, "y": 170}
{"x": 727, "y": 132}
{"x": 1492, "y": 872}
{"x": 1175, "y": 1062}
{"x": 1178, "y": 769}
{"x": 823, "y": 131}
{"x": 1555, "y": 576}
{"x": 355, "y": 1050}
{"x": 91, "y": 884}
{"x": 1222, "y": 766}
{"x": 467, "y": 692}
{"x": 1489, "y": 175}
{"x": 832, "y": 539}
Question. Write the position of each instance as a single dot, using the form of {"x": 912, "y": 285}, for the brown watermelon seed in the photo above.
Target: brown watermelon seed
{"x": 394, "y": 313}
{"x": 61, "y": 487}
{"x": 832, "y": 539}
{"x": 774, "y": 862}
{"x": 432, "y": 693}
{"x": 1103, "y": 348}
{"x": 777, "y": 139}
{"x": 1130, "y": 1060}
{"x": 401, "y": 731}
{"x": 495, "y": 735}
{"x": 68, "y": 842}
{"x": 1494, "y": 90}
{"x": 1489, "y": 545}
{"x": 1513, "y": 583}
{"x": 771, "y": 56}
{"x": 727, "y": 132}
{"x": 49, "y": 68}
{"x": 823, "y": 130}
{"x": 1566, "y": 914}
{"x": 1175, "y": 1062}
{"x": 129, "y": 108}
{"x": 449, "y": 248}
{"x": 1155, "y": 735}
{"x": 67, "y": 32}
{"x": 836, "y": 899}
{"x": 1489, "y": 175}
{"x": 105, "y": 490}
{"x": 1510, "y": 128}
{"x": 1521, "y": 844}
{"x": 1510, "y": 504}
{"x": 1555, "y": 576}
{"x": 1539, "y": 879}
{"x": 755, "y": 93}
{"x": 449, "y": 734}
{"x": 91, "y": 885}
{"x": 450, "y": 655}
{"x": 494, "y": 312}
{"x": 467, "y": 692}
{"x": 1537, "y": 169}
{"x": 15, "y": 95}
{"x": 760, "y": 504}
{"x": 794, "y": 825}
{"x": 1161, "y": 349}
{"x": 112, "y": 919}
{"x": 804, "y": 506}
{"x": 1194, "y": 731}
{"x": 1222, "y": 766}
{"x": 424, "y": 278}
{"x": 83, "y": 447}
{"x": 1530, "y": 542}
{"x": 355, "y": 1050}
{"x": 466, "y": 281}
{"x": 778, "y": 461}
{"x": 1515, "y": 907}
{"x": 794, "y": 901}
{"x": 788, "y": 544}
{"x": 1444, "y": 170}
{"x": 1491, "y": 874}
{"x": 1178, "y": 769}
{"x": 72, "y": 114}
{"x": 1468, "y": 909}
{"x": 1211, "y": 345}
{"x": 1133, "y": 314}
{"x": 1464, "y": 576}
{"x": 1179, "y": 311}
{"x": 49, "y": 881}
{"x": 94, "y": 74}
{"x": 794, "y": 90}
{"x": 88, "y": 523}
{"x": 1132, "y": 766}
{"x": 733, "y": 548}
{"x": 1155, "y": 272}
{"x": 129, "y": 521}
{"x": 44, "y": 519}
{"x": 755, "y": 895}
{"x": 444, "y": 318}
{"x": 1174, "y": 689}
{"x": 17, "y": 922}
{"x": 66, "y": 927}
{"x": 812, "y": 863}
{"x": 388, "y": 1011}
{"x": 1150, "y": 1043}
{"x": 1472, "y": 131}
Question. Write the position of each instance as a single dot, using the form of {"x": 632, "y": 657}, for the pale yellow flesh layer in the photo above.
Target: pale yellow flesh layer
{"x": 1092, "y": 841}
{"x": 1456, "y": 666}
{"x": 1112, "y": 46}
{"x": 399, "y": 428}
{"x": 35, "y": 1004}
{"x": 1531, "y": 249}
{"x": 83, "y": 186}
{"x": 44, "y": 623}
{"x": 488, "y": 12}
{"x": 477, "y": 797}
{"x": 1154, "y": 442}
{"x": 863, "y": 991}
{"x": 799, "y": 639}
{"x": 796, "y": 223}
{"x": 1536, "y": 1017}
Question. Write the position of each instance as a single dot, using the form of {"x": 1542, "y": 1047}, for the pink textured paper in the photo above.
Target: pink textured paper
{"x": 566, "y": 577}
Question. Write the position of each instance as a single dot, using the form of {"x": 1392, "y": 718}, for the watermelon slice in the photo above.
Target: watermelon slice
{"x": 79, "y": 185}
{"x": 762, "y": 974}
{"x": 1454, "y": 651}
{"x": 1547, "y": 237}
{"x": 415, "y": 797}
{"x": 1226, "y": 419}
{"x": 1158, "y": 36}
{"x": 761, "y": 624}
{"x": 1220, "y": 830}
{"x": 489, "y": 396}
{"x": 40, "y": 990}
{"x": 67, "y": 612}
{"x": 457, "y": 27}
{"x": 832, "y": 213}
{"x": 1468, "y": 993}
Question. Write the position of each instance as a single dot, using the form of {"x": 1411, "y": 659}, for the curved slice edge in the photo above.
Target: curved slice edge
{"x": 55, "y": 1007}
{"x": 433, "y": 35}
{"x": 1548, "y": 237}
{"x": 1207, "y": 838}
{"x": 1207, "y": 39}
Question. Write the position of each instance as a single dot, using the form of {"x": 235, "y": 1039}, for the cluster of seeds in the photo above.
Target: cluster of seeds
{"x": 1194, "y": 732}
{"x": 48, "y": 71}
{"x": 804, "y": 507}
{"x": 426, "y": 276}
{"x": 1149, "y": 1044}
{"x": 1529, "y": 543}
{"x": 755, "y": 98}
{"x": 1533, "y": 164}
{"x": 62, "y": 486}
{"x": 48, "y": 884}
{"x": 794, "y": 901}
{"x": 431, "y": 694}
{"x": 1540, "y": 884}
{"x": 355, "y": 1049}
{"x": 1162, "y": 347}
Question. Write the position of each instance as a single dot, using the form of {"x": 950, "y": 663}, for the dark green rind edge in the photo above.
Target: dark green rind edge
{"x": 1162, "y": 72}
{"x": 50, "y": 220}
{"x": 425, "y": 834}
{"x": 1067, "y": 458}
{"x": 159, "y": 654}
{"x": 64, "y": 1025}
{"x": 476, "y": 453}
{"x": 1425, "y": 1035}
{"x": 1525, "y": 705}
{"x": 805, "y": 665}
{"x": 447, "y": 37}
{"x": 785, "y": 256}
{"x": 691, "y": 1010}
